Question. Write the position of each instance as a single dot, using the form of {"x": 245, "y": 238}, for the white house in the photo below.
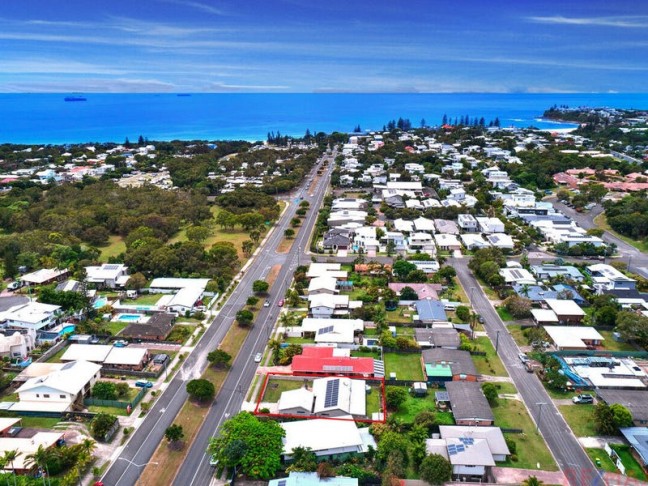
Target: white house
{"x": 424, "y": 224}
{"x": 59, "y": 391}
{"x": 422, "y": 242}
{"x": 327, "y": 270}
{"x": 184, "y": 300}
{"x": 474, "y": 241}
{"x": 323, "y": 285}
{"x": 326, "y": 437}
{"x": 16, "y": 344}
{"x": 32, "y": 315}
{"x": 607, "y": 277}
{"x": 490, "y": 225}
{"x": 517, "y": 276}
{"x": 467, "y": 222}
{"x": 447, "y": 242}
{"x": 326, "y": 306}
{"x": 110, "y": 275}
{"x": 501, "y": 241}
{"x": 329, "y": 397}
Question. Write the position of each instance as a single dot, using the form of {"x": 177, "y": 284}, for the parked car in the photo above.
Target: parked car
{"x": 280, "y": 303}
{"x": 120, "y": 344}
{"x": 481, "y": 319}
{"x": 14, "y": 285}
{"x": 266, "y": 303}
{"x": 213, "y": 461}
{"x": 143, "y": 384}
{"x": 257, "y": 357}
{"x": 584, "y": 398}
{"x": 523, "y": 357}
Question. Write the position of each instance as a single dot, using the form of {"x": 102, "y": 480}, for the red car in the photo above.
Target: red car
{"x": 280, "y": 303}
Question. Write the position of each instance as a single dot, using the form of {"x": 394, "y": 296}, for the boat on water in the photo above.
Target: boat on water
{"x": 75, "y": 98}
{"x": 183, "y": 94}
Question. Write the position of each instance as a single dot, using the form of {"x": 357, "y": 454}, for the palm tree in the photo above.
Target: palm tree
{"x": 89, "y": 445}
{"x": 275, "y": 346}
{"x": 473, "y": 319}
{"x": 9, "y": 457}
{"x": 39, "y": 459}
{"x": 532, "y": 481}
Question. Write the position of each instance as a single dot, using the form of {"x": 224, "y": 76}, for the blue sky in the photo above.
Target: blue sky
{"x": 323, "y": 46}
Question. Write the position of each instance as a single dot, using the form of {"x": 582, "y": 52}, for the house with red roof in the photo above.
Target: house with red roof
{"x": 331, "y": 361}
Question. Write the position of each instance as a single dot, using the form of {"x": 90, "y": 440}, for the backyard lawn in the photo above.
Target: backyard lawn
{"x": 489, "y": 364}
{"x": 633, "y": 469}
{"x": 531, "y": 448}
{"x": 276, "y": 386}
{"x": 356, "y": 353}
{"x": 399, "y": 316}
{"x": 374, "y": 400}
{"x": 611, "y": 345}
{"x": 406, "y": 366}
{"x": 580, "y": 418}
{"x": 415, "y": 405}
{"x": 518, "y": 336}
{"x": 603, "y": 458}
{"x": 114, "y": 327}
{"x": 145, "y": 299}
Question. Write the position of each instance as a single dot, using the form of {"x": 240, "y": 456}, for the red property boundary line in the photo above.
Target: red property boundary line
{"x": 268, "y": 376}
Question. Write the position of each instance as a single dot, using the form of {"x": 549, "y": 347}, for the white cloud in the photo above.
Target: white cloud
{"x": 198, "y": 6}
{"x": 90, "y": 85}
{"x": 629, "y": 21}
{"x": 220, "y": 87}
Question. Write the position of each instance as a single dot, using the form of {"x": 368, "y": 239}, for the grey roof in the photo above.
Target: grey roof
{"x": 446, "y": 226}
{"x": 431, "y": 310}
{"x": 638, "y": 438}
{"x": 634, "y": 400}
{"x": 8, "y": 302}
{"x": 460, "y": 361}
{"x": 555, "y": 270}
{"x": 159, "y": 324}
{"x": 468, "y": 401}
{"x": 337, "y": 240}
{"x": 439, "y": 338}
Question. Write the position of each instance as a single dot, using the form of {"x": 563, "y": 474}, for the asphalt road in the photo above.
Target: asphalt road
{"x": 637, "y": 261}
{"x": 196, "y": 469}
{"x": 563, "y": 444}
{"x": 126, "y": 470}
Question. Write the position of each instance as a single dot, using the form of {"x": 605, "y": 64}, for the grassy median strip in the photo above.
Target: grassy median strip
{"x": 191, "y": 417}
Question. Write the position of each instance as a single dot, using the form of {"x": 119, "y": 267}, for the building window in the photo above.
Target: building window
{"x": 37, "y": 395}
{"x": 62, "y": 396}
{"x": 46, "y": 395}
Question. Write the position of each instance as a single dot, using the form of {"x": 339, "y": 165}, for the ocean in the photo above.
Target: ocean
{"x": 48, "y": 119}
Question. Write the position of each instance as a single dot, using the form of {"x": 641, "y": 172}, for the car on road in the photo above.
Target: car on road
{"x": 266, "y": 303}
{"x": 143, "y": 384}
{"x": 120, "y": 344}
{"x": 213, "y": 461}
{"x": 257, "y": 357}
{"x": 14, "y": 285}
{"x": 523, "y": 357}
{"x": 481, "y": 319}
{"x": 584, "y": 398}
{"x": 280, "y": 303}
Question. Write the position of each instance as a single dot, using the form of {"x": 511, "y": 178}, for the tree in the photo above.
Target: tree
{"x": 463, "y": 313}
{"x": 104, "y": 390}
{"x": 247, "y": 247}
{"x": 219, "y": 358}
{"x": 402, "y": 268}
{"x": 563, "y": 194}
{"x": 633, "y": 327}
{"x": 259, "y": 445}
{"x": 136, "y": 281}
{"x": 174, "y": 433}
{"x": 289, "y": 233}
{"x": 426, "y": 419}
{"x": 39, "y": 458}
{"x": 519, "y": 307}
{"x": 395, "y": 396}
{"x": 303, "y": 459}
{"x": 8, "y": 458}
{"x": 244, "y": 317}
{"x": 390, "y": 247}
{"x": 201, "y": 390}
{"x": 447, "y": 273}
{"x": 288, "y": 353}
{"x": 604, "y": 419}
{"x": 491, "y": 393}
{"x": 197, "y": 233}
{"x": 435, "y": 469}
{"x": 606, "y": 316}
{"x": 622, "y": 416}
{"x": 260, "y": 286}
{"x": 532, "y": 481}
{"x": 325, "y": 470}
{"x": 101, "y": 424}
{"x": 252, "y": 301}
{"x": 408, "y": 293}
{"x": 122, "y": 389}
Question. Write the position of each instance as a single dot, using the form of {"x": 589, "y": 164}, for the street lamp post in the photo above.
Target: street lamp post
{"x": 134, "y": 464}
{"x": 539, "y": 404}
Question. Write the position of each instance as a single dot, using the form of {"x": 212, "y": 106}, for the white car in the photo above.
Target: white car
{"x": 266, "y": 303}
{"x": 523, "y": 357}
{"x": 257, "y": 357}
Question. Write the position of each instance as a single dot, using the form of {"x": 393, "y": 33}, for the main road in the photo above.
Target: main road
{"x": 561, "y": 441}
{"x": 126, "y": 470}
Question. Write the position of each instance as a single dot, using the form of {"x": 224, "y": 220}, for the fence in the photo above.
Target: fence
{"x": 615, "y": 458}
{"x": 52, "y": 351}
{"x": 616, "y": 354}
{"x": 115, "y": 403}
{"x": 140, "y": 374}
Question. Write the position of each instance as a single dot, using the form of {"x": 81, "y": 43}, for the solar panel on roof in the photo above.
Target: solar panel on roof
{"x": 111, "y": 266}
{"x": 461, "y": 448}
{"x": 282, "y": 482}
{"x": 332, "y": 393}
{"x": 325, "y": 330}
{"x": 467, "y": 440}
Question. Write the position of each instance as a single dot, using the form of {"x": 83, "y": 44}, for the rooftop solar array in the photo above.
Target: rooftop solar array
{"x": 455, "y": 449}
{"x": 325, "y": 330}
{"x": 332, "y": 393}
{"x": 467, "y": 440}
{"x": 111, "y": 266}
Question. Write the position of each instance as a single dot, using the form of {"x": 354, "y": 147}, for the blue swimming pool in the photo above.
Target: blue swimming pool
{"x": 68, "y": 330}
{"x": 99, "y": 303}
{"x": 129, "y": 317}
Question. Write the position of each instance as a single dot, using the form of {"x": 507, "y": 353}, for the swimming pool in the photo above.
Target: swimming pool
{"x": 129, "y": 317}
{"x": 99, "y": 303}
{"x": 68, "y": 330}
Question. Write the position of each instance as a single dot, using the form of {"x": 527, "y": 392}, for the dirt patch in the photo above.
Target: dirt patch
{"x": 286, "y": 244}
{"x": 272, "y": 276}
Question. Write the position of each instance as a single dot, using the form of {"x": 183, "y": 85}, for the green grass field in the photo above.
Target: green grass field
{"x": 145, "y": 299}
{"x": 601, "y": 222}
{"x": 406, "y": 366}
{"x": 114, "y": 248}
{"x": 603, "y": 459}
{"x": 633, "y": 469}
{"x": 504, "y": 314}
{"x": 415, "y": 405}
{"x": 489, "y": 364}
{"x": 516, "y": 333}
{"x": 276, "y": 386}
{"x": 580, "y": 418}
{"x": 612, "y": 345}
{"x": 115, "y": 327}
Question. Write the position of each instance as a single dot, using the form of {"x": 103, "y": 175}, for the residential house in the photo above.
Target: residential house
{"x": 447, "y": 242}
{"x": 328, "y": 439}
{"x": 429, "y": 311}
{"x": 446, "y": 226}
{"x": 501, "y": 241}
{"x": 427, "y": 266}
{"x": 327, "y": 270}
{"x": 637, "y": 437}
{"x": 443, "y": 365}
{"x": 127, "y": 358}
{"x": 329, "y": 397}
{"x": 44, "y": 276}
{"x": 335, "y": 242}
{"x": 108, "y": 275}
{"x": 574, "y": 338}
{"x": 26, "y": 447}
{"x": 636, "y": 401}
{"x": 31, "y": 315}
{"x": 468, "y": 403}
{"x": 606, "y": 277}
{"x": 326, "y": 306}
{"x": 549, "y": 271}
{"x": 396, "y": 238}
{"x": 474, "y": 241}
{"x": 567, "y": 311}
{"x": 332, "y": 330}
{"x": 543, "y": 317}
{"x": 16, "y": 344}
{"x": 344, "y": 216}
{"x": 434, "y": 337}
{"x": 329, "y": 360}
{"x": 467, "y": 223}
{"x": 403, "y": 225}
{"x": 365, "y": 238}
{"x": 421, "y": 242}
{"x": 519, "y": 276}
{"x": 59, "y": 391}
{"x": 184, "y": 300}
{"x": 157, "y": 328}
{"x": 424, "y": 291}
{"x": 323, "y": 285}
{"x": 312, "y": 479}
{"x": 490, "y": 225}
{"x": 424, "y": 225}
